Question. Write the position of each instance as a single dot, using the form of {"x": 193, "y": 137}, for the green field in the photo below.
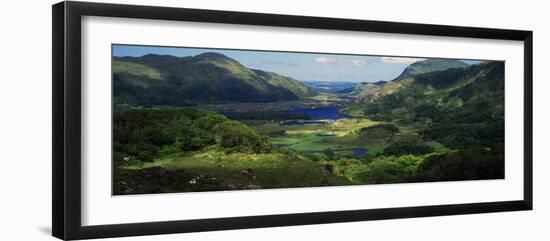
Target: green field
{"x": 333, "y": 135}
{"x": 339, "y": 136}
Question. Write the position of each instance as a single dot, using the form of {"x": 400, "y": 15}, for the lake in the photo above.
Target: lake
{"x": 359, "y": 152}
{"x": 328, "y": 113}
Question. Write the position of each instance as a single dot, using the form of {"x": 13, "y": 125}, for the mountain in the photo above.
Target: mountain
{"x": 430, "y": 65}
{"x": 206, "y": 78}
{"x": 365, "y": 92}
{"x": 458, "y": 107}
{"x": 368, "y": 92}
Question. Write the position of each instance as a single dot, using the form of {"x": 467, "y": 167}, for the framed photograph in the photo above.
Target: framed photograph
{"x": 169, "y": 120}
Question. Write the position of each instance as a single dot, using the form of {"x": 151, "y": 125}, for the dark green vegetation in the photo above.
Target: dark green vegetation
{"x": 175, "y": 150}
{"x": 185, "y": 124}
{"x": 154, "y": 80}
{"x": 460, "y": 108}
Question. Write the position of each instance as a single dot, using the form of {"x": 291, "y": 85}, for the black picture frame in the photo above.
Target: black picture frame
{"x": 66, "y": 47}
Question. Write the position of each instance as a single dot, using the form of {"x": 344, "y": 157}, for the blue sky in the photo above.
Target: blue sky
{"x": 300, "y": 66}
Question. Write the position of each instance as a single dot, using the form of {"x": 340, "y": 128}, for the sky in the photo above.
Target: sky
{"x": 300, "y": 66}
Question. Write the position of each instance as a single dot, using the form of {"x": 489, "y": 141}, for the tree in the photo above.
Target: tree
{"x": 329, "y": 153}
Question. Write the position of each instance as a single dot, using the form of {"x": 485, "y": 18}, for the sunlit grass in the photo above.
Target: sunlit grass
{"x": 270, "y": 170}
{"x": 314, "y": 138}
{"x": 136, "y": 69}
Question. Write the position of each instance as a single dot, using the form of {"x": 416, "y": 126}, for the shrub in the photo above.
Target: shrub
{"x": 407, "y": 149}
{"x": 233, "y": 133}
{"x": 378, "y": 131}
{"x": 470, "y": 164}
{"x": 392, "y": 169}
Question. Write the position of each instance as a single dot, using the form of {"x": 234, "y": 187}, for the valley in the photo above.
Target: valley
{"x": 208, "y": 123}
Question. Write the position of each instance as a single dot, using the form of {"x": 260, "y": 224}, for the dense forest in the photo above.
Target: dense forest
{"x": 185, "y": 124}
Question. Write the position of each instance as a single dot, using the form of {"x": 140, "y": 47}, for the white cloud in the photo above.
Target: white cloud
{"x": 400, "y": 60}
{"x": 327, "y": 60}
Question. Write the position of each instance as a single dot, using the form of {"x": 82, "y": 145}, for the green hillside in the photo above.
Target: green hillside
{"x": 368, "y": 92}
{"x": 458, "y": 107}
{"x": 430, "y": 65}
{"x": 452, "y": 120}
{"x": 206, "y": 78}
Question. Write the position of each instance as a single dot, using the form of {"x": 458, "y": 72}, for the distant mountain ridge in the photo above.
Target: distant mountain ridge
{"x": 205, "y": 78}
{"x": 368, "y": 92}
{"x": 467, "y": 102}
{"x": 430, "y": 65}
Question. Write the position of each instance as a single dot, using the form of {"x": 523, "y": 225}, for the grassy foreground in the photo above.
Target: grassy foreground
{"x": 188, "y": 150}
{"x": 214, "y": 169}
